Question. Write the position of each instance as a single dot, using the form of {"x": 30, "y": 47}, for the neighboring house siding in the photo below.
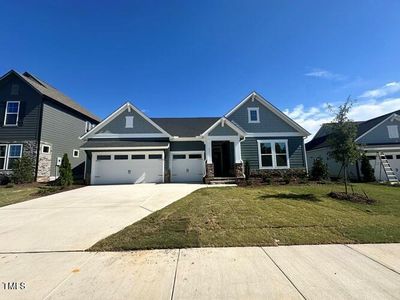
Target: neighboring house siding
{"x": 269, "y": 122}
{"x": 62, "y": 129}
{"x": 187, "y": 146}
{"x": 140, "y": 124}
{"x": 380, "y": 134}
{"x": 296, "y": 151}
{"x": 29, "y": 116}
{"x": 222, "y": 131}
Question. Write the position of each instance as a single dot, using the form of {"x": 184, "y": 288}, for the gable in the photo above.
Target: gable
{"x": 269, "y": 121}
{"x": 117, "y": 125}
{"x": 220, "y": 130}
{"x": 380, "y": 134}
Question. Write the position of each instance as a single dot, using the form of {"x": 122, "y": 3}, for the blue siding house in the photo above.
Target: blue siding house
{"x": 130, "y": 147}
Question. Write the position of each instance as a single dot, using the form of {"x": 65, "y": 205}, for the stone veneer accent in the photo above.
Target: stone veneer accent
{"x": 29, "y": 148}
{"x": 209, "y": 173}
{"x": 44, "y": 165}
{"x": 239, "y": 170}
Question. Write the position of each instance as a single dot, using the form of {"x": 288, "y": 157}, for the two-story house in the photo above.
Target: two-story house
{"x": 130, "y": 147}
{"x": 39, "y": 121}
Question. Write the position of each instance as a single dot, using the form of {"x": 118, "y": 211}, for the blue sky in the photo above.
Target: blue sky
{"x": 200, "y": 58}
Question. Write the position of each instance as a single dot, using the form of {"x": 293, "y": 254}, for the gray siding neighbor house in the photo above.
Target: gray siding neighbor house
{"x": 379, "y": 138}
{"x": 39, "y": 121}
{"x": 130, "y": 147}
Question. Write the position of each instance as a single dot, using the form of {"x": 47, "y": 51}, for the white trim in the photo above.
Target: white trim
{"x": 273, "y": 134}
{"x": 73, "y": 153}
{"x": 44, "y": 145}
{"x": 8, "y": 154}
{"x": 276, "y": 111}
{"x": 366, "y": 148}
{"x": 129, "y": 121}
{"x": 249, "y": 110}
{"x": 128, "y": 135}
{"x": 111, "y": 117}
{"x": 273, "y": 154}
{"x": 5, "y": 157}
{"x": 7, "y": 113}
{"x": 186, "y": 139}
{"x": 377, "y": 125}
{"x": 393, "y": 131}
{"x": 305, "y": 156}
{"x": 105, "y": 148}
{"x": 226, "y": 121}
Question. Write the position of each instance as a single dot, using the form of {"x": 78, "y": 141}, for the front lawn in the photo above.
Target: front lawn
{"x": 270, "y": 215}
{"x": 12, "y": 194}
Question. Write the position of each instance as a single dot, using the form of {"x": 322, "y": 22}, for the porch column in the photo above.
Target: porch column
{"x": 238, "y": 152}
{"x": 208, "y": 151}
{"x": 209, "y": 163}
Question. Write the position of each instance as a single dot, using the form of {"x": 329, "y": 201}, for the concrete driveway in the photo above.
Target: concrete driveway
{"x": 292, "y": 272}
{"x": 77, "y": 219}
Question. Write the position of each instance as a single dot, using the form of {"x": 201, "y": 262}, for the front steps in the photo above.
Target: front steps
{"x": 222, "y": 180}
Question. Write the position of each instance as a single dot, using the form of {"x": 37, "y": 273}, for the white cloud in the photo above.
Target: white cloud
{"x": 388, "y": 89}
{"x": 325, "y": 74}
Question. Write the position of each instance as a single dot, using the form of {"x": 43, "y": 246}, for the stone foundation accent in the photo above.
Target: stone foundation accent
{"x": 167, "y": 176}
{"x": 209, "y": 173}
{"x": 44, "y": 165}
{"x": 239, "y": 170}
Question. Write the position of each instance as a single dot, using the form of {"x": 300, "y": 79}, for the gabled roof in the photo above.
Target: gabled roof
{"x": 185, "y": 127}
{"x": 321, "y": 137}
{"x": 225, "y": 121}
{"x": 47, "y": 90}
{"x": 257, "y": 97}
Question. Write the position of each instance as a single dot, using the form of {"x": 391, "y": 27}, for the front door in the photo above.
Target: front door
{"x": 222, "y": 157}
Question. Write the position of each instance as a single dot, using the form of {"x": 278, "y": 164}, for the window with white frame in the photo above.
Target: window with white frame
{"x": 89, "y": 126}
{"x": 393, "y": 131}
{"x": 129, "y": 122}
{"x": 253, "y": 114}
{"x": 273, "y": 154}
{"x": 12, "y": 113}
{"x": 14, "y": 153}
{"x": 75, "y": 153}
{"x": 3, "y": 152}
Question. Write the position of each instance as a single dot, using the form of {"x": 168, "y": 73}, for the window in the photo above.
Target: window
{"x": 253, "y": 114}
{"x": 389, "y": 156}
{"x": 45, "y": 149}
{"x": 138, "y": 156}
{"x": 273, "y": 154}
{"x": 129, "y": 122}
{"x": 195, "y": 156}
{"x": 3, "y": 151}
{"x": 12, "y": 112}
{"x": 120, "y": 157}
{"x": 75, "y": 153}
{"x": 155, "y": 156}
{"x": 103, "y": 157}
{"x": 14, "y": 153}
{"x": 393, "y": 131}
{"x": 398, "y": 156}
{"x": 179, "y": 156}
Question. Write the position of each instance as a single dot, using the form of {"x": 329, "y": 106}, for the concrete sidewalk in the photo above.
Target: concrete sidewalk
{"x": 292, "y": 272}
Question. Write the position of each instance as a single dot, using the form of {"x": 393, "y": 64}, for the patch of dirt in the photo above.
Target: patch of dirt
{"x": 356, "y": 198}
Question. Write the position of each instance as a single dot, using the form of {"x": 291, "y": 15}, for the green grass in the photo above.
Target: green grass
{"x": 18, "y": 193}
{"x": 270, "y": 215}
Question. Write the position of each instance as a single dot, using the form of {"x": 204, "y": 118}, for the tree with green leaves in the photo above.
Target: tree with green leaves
{"x": 366, "y": 169}
{"x": 66, "y": 177}
{"x": 319, "y": 170}
{"x": 344, "y": 149}
{"x": 23, "y": 170}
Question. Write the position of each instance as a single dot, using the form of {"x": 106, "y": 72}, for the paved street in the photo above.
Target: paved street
{"x": 285, "y": 272}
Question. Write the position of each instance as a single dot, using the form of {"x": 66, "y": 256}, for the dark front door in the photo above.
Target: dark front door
{"x": 222, "y": 157}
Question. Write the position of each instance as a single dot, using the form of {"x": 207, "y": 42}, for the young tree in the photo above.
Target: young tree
{"x": 342, "y": 139}
{"x": 319, "y": 170}
{"x": 23, "y": 170}
{"x": 366, "y": 169}
{"x": 66, "y": 177}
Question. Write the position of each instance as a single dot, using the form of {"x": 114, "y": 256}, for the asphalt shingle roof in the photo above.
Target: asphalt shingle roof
{"x": 185, "y": 127}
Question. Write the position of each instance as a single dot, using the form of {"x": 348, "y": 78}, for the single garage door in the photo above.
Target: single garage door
{"x": 187, "y": 166}
{"x": 121, "y": 167}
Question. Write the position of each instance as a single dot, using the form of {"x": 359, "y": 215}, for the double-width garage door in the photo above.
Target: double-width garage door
{"x": 122, "y": 167}
{"x": 187, "y": 166}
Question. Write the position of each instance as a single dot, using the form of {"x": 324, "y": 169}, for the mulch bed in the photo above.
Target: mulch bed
{"x": 356, "y": 198}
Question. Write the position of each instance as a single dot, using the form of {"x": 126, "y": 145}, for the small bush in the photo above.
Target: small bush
{"x": 319, "y": 170}
{"x": 9, "y": 186}
{"x": 66, "y": 177}
{"x": 4, "y": 179}
{"x": 366, "y": 170}
{"x": 247, "y": 169}
{"x": 23, "y": 170}
{"x": 44, "y": 191}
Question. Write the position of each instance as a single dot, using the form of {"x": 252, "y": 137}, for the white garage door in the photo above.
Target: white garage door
{"x": 187, "y": 166}
{"x": 124, "y": 167}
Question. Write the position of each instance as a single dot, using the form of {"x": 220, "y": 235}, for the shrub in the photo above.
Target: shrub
{"x": 247, "y": 169}
{"x": 366, "y": 170}
{"x": 4, "y": 179}
{"x": 23, "y": 170}
{"x": 319, "y": 170}
{"x": 66, "y": 177}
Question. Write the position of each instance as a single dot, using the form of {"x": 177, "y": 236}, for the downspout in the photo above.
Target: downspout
{"x": 305, "y": 155}
{"x": 39, "y": 137}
